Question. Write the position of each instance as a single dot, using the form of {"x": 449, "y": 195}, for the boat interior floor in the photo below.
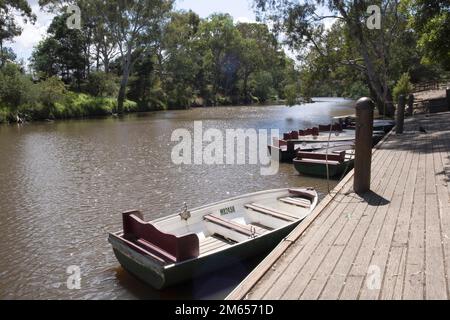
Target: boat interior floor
{"x": 214, "y": 242}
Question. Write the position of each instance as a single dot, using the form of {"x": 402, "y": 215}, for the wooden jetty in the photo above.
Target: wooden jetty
{"x": 390, "y": 243}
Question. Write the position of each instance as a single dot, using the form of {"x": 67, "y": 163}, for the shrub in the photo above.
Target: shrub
{"x": 101, "y": 84}
{"x": 291, "y": 94}
{"x": 403, "y": 86}
{"x": 16, "y": 88}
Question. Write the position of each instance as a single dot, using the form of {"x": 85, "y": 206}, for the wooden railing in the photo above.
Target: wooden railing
{"x": 431, "y": 85}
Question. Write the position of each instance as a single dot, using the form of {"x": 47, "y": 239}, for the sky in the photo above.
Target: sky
{"x": 23, "y": 45}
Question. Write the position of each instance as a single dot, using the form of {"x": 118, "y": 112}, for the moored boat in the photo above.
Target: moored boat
{"x": 182, "y": 246}
{"x": 315, "y": 139}
{"x": 323, "y": 164}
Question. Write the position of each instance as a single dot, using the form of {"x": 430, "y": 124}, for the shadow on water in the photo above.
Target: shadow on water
{"x": 213, "y": 285}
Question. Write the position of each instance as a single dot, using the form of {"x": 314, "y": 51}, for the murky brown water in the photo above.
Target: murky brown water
{"x": 63, "y": 186}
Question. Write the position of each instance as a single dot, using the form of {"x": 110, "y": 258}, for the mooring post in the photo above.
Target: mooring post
{"x": 410, "y": 104}
{"x": 400, "y": 119}
{"x": 363, "y": 145}
{"x": 448, "y": 97}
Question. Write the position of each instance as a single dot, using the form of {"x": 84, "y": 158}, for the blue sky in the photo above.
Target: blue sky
{"x": 23, "y": 46}
{"x": 239, "y": 9}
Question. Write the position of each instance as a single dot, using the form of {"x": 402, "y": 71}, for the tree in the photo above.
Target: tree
{"x": 62, "y": 53}
{"x": 257, "y": 50}
{"x": 181, "y": 61}
{"x": 303, "y": 24}
{"x": 136, "y": 28}
{"x": 8, "y": 25}
{"x": 431, "y": 20}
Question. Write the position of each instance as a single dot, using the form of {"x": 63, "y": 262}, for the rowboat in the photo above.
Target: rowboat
{"x": 173, "y": 249}
{"x": 291, "y": 143}
{"x": 349, "y": 123}
{"x": 316, "y": 163}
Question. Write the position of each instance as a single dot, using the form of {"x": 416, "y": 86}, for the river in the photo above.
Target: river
{"x": 64, "y": 184}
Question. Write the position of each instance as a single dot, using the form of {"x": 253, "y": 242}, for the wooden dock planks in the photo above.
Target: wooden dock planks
{"x": 391, "y": 244}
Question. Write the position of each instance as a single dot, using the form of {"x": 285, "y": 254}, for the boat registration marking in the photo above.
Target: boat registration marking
{"x": 228, "y": 210}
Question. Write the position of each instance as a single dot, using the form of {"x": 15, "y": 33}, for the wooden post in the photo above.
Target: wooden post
{"x": 448, "y": 97}
{"x": 363, "y": 145}
{"x": 410, "y": 104}
{"x": 400, "y": 114}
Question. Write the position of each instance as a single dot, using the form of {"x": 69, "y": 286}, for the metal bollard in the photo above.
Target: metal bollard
{"x": 400, "y": 118}
{"x": 363, "y": 145}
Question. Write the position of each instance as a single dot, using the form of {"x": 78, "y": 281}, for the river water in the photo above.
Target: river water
{"x": 64, "y": 184}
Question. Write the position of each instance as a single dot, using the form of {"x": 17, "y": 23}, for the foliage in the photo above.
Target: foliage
{"x": 102, "y": 84}
{"x": 9, "y": 28}
{"x": 431, "y": 20}
{"x": 403, "y": 86}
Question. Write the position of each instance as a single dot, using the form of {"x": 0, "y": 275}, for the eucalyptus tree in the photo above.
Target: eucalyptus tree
{"x": 136, "y": 27}
{"x": 9, "y": 28}
{"x": 372, "y": 35}
{"x": 431, "y": 20}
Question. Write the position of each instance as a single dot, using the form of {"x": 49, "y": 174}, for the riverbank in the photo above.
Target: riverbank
{"x": 73, "y": 106}
{"x": 83, "y": 106}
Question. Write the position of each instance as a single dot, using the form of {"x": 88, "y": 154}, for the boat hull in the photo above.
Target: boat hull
{"x": 160, "y": 277}
{"x": 320, "y": 170}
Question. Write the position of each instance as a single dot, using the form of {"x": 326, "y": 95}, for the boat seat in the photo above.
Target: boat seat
{"x": 238, "y": 227}
{"x": 167, "y": 247}
{"x": 301, "y": 202}
{"x": 330, "y": 162}
{"x": 148, "y": 246}
{"x": 333, "y": 156}
{"x": 272, "y": 212}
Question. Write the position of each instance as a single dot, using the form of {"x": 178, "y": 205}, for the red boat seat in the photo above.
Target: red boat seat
{"x": 315, "y": 131}
{"x": 166, "y": 246}
{"x": 323, "y": 128}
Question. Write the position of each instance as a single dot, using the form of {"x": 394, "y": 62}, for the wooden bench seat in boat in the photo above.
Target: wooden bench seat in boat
{"x": 166, "y": 247}
{"x": 301, "y": 202}
{"x": 238, "y": 227}
{"x": 272, "y": 212}
{"x": 338, "y": 157}
{"x": 330, "y": 162}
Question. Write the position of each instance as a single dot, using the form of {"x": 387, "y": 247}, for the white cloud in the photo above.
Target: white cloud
{"x": 31, "y": 34}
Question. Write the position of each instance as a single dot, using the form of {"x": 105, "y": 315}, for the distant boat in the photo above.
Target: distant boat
{"x": 316, "y": 139}
{"x": 311, "y": 139}
{"x": 181, "y": 246}
{"x": 315, "y": 163}
{"x": 349, "y": 123}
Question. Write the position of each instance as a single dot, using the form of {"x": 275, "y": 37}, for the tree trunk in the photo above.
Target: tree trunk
{"x": 378, "y": 87}
{"x": 124, "y": 82}
{"x": 246, "y": 99}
